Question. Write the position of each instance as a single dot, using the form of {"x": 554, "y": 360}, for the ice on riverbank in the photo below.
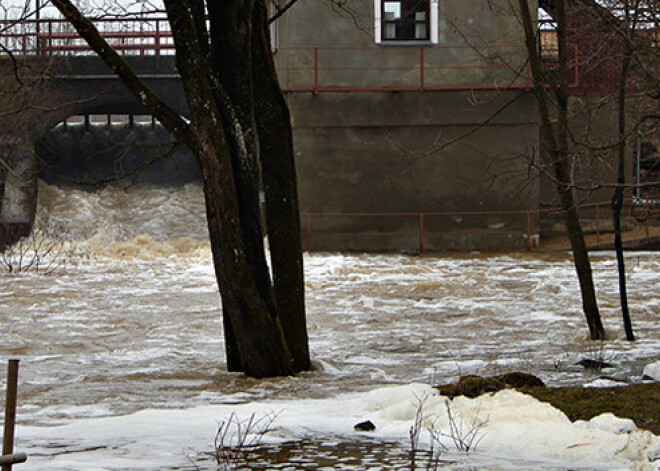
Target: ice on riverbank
{"x": 652, "y": 371}
{"x": 512, "y": 428}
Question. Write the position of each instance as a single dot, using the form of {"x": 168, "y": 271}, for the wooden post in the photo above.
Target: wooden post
{"x": 10, "y": 411}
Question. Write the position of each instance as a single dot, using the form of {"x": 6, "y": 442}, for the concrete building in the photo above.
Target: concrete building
{"x": 403, "y": 111}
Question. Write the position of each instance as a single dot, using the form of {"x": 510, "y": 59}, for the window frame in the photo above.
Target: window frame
{"x": 431, "y": 24}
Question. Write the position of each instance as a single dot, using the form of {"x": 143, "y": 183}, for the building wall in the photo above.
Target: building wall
{"x": 384, "y": 133}
{"x": 480, "y": 44}
{"x": 410, "y": 153}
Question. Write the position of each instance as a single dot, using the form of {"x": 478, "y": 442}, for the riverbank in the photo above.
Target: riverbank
{"x": 638, "y": 237}
{"x": 638, "y": 402}
{"x": 505, "y": 431}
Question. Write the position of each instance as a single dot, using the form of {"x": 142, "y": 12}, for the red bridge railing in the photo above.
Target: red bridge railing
{"x": 149, "y": 35}
{"x": 307, "y": 68}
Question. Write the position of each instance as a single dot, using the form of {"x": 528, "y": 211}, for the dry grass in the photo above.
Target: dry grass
{"x": 638, "y": 231}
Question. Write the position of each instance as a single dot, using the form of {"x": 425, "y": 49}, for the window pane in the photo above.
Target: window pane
{"x": 389, "y": 32}
{"x": 420, "y": 30}
{"x": 416, "y": 6}
{"x": 392, "y": 10}
{"x": 420, "y": 16}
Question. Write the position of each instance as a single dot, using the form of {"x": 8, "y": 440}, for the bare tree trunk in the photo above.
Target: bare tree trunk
{"x": 257, "y": 333}
{"x": 617, "y": 197}
{"x": 221, "y": 134}
{"x": 231, "y": 32}
{"x": 555, "y": 139}
{"x": 279, "y": 181}
{"x": 227, "y": 157}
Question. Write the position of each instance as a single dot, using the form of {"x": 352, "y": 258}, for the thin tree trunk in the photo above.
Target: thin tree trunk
{"x": 617, "y": 197}
{"x": 555, "y": 139}
{"x": 580, "y": 254}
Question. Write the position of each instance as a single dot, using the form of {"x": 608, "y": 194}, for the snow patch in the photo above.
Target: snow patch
{"x": 512, "y": 426}
{"x": 609, "y": 423}
{"x": 604, "y": 383}
{"x": 653, "y": 371}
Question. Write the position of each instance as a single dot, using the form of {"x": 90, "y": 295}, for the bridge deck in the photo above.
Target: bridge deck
{"x": 302, "y": 68}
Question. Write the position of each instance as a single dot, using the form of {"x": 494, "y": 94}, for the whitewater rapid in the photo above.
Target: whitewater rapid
{"x": 121, "y": 350}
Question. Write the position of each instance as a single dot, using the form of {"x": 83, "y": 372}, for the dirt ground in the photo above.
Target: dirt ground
{"x": 632, "y": 232}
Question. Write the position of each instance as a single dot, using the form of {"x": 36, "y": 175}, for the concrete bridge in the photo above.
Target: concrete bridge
{"x": 80, "y": 82}
{"x": 91, "y": 88}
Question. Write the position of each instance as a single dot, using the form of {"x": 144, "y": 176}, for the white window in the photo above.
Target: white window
{"x": 406, "y": 21}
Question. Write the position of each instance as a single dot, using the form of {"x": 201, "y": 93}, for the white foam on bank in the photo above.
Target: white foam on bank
{"x": 653, "y": 371}
{"x": 514, "y": 428}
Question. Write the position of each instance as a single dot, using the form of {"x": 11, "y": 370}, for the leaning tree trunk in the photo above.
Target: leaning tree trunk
{"x": 579, "y": 250}
{"x": 562, "y": 173}
{"x": 555, "y": 139}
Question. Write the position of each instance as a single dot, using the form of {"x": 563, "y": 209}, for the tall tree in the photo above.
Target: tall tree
{"x": 619, "y": 21}
{"x": 551, "y": 94}
{"x": 239, "y": 130}
{"x": 629, "y": 23}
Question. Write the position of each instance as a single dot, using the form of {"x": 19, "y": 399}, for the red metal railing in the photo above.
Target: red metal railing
{"x": 308, "y": 68}
{"x": 528, "y": 228}
{"x": 402, "y": 68}
{"x": 527, "y": 225}
{"x": 148, "y": 35}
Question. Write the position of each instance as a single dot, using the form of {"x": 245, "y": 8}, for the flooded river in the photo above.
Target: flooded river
{"x": 133, "y": 322}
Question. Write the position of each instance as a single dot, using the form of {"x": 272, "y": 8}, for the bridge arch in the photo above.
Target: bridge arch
{"x": 68, "y": 153}
{"x": 96, "y": 149}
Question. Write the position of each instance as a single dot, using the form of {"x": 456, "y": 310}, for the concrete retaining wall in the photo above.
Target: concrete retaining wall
{"x": 415, "y": 153}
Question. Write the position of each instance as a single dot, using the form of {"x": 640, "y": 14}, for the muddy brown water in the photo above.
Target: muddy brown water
{"x": 132, "y": 320}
